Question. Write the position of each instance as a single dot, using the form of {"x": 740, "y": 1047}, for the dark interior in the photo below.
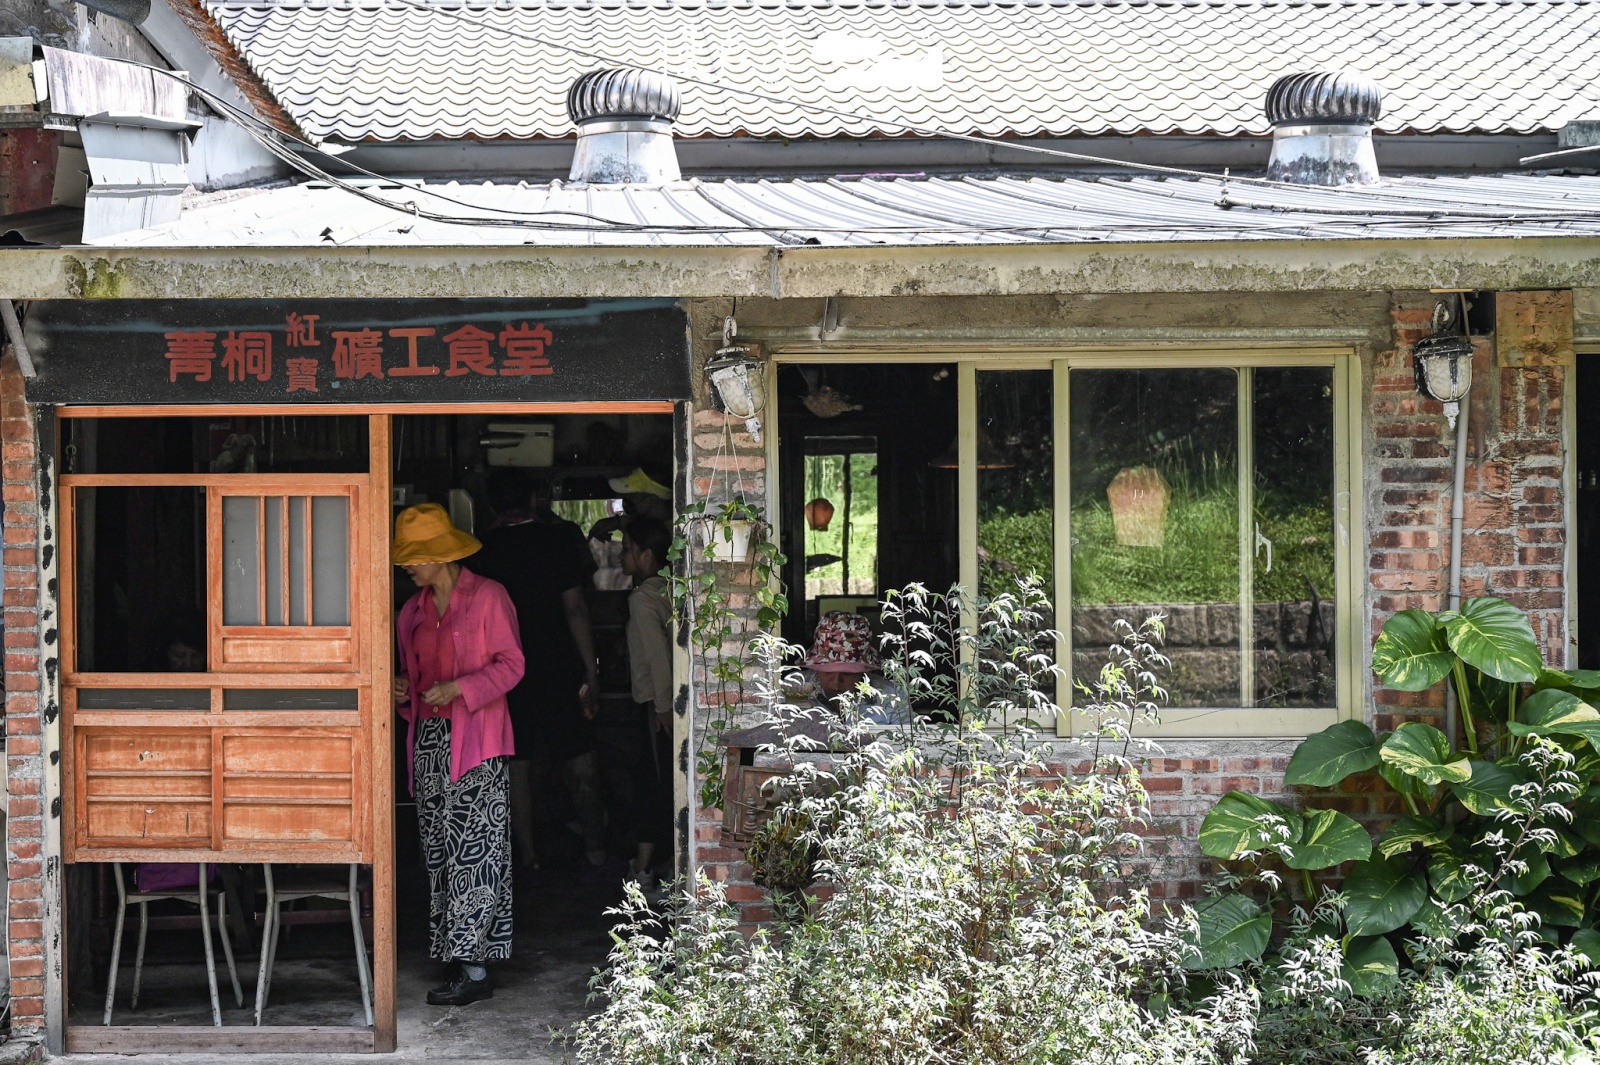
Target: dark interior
{"x": 1585, "y": 531}
{"x": 908, "y": 415}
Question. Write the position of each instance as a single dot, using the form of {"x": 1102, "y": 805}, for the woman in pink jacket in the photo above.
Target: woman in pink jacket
{"x": 459, "y": 653}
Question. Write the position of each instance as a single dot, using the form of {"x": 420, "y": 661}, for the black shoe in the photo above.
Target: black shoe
{"x": 452, "y": 973}
{"x": 461, "y": 991}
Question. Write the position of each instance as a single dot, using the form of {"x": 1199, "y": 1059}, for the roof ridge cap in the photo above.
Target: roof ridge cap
{"x": 612, "y": 4}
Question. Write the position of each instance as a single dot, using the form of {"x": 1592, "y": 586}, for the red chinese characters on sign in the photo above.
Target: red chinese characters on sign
{"x": 191, "y": 353}
{"x": 469, "y": 352}
{"x": 412, "y": 368}
{"x": 301, "y": 330}
{"x": 524, "y": 348}
{"x": 302, "y": 374}
{"x": 357, "y": 353}
{"x": 247, "y": 355}
{"x": 518, "y": 349}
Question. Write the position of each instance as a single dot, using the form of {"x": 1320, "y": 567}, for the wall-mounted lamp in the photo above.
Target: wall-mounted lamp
{"x": 1444, "y": 364}
{"x": 737, "y": 383}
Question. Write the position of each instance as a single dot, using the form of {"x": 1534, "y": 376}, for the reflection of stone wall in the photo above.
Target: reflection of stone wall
{"x": 1293, "y": 644}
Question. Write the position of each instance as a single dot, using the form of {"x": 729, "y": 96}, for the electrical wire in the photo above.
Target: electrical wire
{"x": 271, "y": 139}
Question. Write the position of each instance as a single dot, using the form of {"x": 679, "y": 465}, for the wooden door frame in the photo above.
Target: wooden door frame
{"x": 378, "y": 637}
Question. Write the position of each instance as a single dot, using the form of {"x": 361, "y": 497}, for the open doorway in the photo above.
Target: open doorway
{"x": 547, "y": 496}
{"x": 228, "y": 595}
{"x": 1585, "y": 530}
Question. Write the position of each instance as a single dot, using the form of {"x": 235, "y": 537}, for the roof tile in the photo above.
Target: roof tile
{"x": 398, "y": 70}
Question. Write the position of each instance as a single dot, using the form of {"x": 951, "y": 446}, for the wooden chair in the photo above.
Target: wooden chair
{"x": 200, "y": 895}
{"x": 311, "y": 882}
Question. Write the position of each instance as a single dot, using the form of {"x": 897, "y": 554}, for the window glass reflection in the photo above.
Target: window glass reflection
{"x": 1155, "y": 521}
{"x": 1016, "y": 479}
{"x": 1293, "y": 536}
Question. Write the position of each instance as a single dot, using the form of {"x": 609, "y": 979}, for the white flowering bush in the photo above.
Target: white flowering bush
{"x": 974, "y": 915}
{"x": 972, "y": 906}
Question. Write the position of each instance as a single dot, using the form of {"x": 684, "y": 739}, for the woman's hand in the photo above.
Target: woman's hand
{"x": 401, "y": 690}
{"x": 442, "y": 694}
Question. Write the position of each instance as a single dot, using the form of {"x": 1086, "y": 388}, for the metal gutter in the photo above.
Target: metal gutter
{"x": 799, "y": 272}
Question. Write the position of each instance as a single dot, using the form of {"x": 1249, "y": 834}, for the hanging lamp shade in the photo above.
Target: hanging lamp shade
{"x": 989, "y": 457}
{"x": 819, "y": 512}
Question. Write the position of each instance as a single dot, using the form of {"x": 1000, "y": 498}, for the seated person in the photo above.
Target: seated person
{"x": 841, "y": 657}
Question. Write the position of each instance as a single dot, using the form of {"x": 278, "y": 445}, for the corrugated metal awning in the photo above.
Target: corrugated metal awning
{"x": 881, "y": 211}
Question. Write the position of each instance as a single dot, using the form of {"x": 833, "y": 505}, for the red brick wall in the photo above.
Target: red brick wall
{"x": 25, "y": 792}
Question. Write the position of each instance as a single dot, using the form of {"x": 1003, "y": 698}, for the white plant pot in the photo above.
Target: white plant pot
{"x": 730, "y": 543}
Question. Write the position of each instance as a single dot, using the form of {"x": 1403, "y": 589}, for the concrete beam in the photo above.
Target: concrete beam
{"x": 805, "y": 272}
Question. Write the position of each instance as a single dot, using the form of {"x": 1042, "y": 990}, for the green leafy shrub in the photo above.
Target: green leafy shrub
{"x": 1455, "y": 799}
{"x": 1465, "y": 931}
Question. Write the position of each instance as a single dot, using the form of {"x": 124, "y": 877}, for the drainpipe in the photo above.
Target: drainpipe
{"x": 1457, "y": 508}
{"x": 1457, "y": 505}
{"x": 1443, "y": 364}
{"x": 8, "y": 315}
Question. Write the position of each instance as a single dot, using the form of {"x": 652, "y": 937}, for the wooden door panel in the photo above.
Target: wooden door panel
{"x": 334, "y": 786}
{"x": 262, "y": 751}
{"x": 108, "y": 785}
{"x": 145, "y": 750}
{"x": 242, "y": 792}
{"x": 120, "y": 822}
{"x": 273, "y": 820}
{"x": 287, "y": 652}
{"x": 144, "y": 786}
{"x": 300, "y": 788}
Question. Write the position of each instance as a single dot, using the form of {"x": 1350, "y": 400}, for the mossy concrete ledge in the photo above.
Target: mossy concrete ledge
{"x": 797, "y": 272}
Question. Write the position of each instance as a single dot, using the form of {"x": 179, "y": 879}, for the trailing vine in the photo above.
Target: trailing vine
{"x": 725, "y": 602}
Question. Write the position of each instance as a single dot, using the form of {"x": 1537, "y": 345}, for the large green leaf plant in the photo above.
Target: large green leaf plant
{"x": 1451, "y": 844}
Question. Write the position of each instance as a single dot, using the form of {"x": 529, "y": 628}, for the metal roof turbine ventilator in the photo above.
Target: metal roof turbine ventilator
{"x": 624, "y": 117}
{"x": 1322, "y": 128}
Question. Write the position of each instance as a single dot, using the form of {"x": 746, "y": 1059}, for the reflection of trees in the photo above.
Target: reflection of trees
{"x": 825, "y": 550}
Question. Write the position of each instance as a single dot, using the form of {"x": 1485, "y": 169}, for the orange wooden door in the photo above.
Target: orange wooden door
{"x": 266, "y": 753}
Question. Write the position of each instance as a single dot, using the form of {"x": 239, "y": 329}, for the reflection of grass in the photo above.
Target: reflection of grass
{"x": 1199, "y": 562}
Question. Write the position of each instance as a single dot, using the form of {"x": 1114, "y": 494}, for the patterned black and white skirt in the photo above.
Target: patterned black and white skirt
{"x": 466, "y": 844}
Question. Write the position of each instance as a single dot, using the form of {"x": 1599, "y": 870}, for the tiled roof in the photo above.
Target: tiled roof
{"x": 395, "y": 69}
{"x": 886, "y": 211}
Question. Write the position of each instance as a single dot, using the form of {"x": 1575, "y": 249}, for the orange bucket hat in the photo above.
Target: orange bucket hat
{"x": 425, "y": 534}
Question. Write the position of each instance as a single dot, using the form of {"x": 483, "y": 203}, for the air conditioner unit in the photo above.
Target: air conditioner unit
{"x": 520, "y": 443}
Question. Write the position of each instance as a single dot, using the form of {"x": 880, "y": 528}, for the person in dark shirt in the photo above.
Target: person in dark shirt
{"x": 552, "y": 709}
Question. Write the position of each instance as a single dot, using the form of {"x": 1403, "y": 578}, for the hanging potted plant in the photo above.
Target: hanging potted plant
{"x": 726, "y": 532}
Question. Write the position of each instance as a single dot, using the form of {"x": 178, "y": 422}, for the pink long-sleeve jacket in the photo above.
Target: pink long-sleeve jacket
{"x": 489, "y": 662}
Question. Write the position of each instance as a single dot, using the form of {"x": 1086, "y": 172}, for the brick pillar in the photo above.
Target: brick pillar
{"x": 25, "y": 768}
{"x": 1513, "y": 533}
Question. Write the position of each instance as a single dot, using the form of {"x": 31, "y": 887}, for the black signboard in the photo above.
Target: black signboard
{"x": 357, "y": 351}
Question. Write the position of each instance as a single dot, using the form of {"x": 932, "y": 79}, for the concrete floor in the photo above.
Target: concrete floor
{"x": 561, "y": 937}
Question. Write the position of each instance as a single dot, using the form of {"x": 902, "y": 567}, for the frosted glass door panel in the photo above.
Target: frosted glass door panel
{"x": 286, "y": 560}
{"x": 297, "y": 561}
{"x": 330, "y": 559}
{"x": 241, "y": 560}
